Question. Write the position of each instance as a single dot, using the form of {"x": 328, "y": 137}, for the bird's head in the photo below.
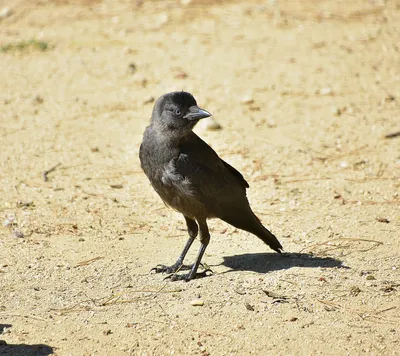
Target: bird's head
{"x": 175, "y": 114}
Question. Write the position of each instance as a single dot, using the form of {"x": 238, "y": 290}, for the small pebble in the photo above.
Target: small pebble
{"x": 7, "y": 222}
{"x": 210, "y": 124}
{"x": 197, "y": 302}
{"x": 181, "y": 75}
{"x": 132, "y": 68}
{"x": 5, "y": 12}
{"x": 325, "y": 91}
{"x": 354, "y": 291}
{"x": 247, "y": 99}
{"x": 18, "y": 234}
{"x": 249, "y": 306}
{"x": 149, "y": 100}
{"x": 337, "y": 111}
{"x": 38, "y": 100}
{"x": 10, "y": 221}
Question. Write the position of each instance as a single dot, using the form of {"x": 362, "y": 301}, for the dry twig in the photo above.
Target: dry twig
{"x": 332, "y": 247}
{"x": 52, "y": 169}
{"x": 87, "y": 262}
{"x": 367, "y": 315}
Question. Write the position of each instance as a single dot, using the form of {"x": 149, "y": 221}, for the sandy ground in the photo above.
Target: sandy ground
{"x": 305, "y": 93}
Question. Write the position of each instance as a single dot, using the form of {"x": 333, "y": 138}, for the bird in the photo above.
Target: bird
{"x": 192, "y": 179}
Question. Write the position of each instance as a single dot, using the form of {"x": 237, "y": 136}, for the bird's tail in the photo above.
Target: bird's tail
{"x": 269, "y": 238}
{"x": 250, "y": 223}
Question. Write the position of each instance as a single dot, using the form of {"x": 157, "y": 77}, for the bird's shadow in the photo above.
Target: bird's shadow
{"x": 267, "y": 262}
{"x": 23, "y": 349}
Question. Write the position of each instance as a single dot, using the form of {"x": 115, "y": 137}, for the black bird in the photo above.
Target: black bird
{"x": 190, "y": 177}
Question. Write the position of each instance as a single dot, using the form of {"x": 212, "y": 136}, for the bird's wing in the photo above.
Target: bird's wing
{"x": 206, "y": 173}
{"x": 237, "y": 174}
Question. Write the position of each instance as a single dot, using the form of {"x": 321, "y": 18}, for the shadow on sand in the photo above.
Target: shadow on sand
{"x": 267, "y": 262}
{"x": 22, "y": 349}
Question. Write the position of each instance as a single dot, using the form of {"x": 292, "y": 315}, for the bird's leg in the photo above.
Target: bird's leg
{"x": 204, "y": 240}
{"x": 192, "y": 230}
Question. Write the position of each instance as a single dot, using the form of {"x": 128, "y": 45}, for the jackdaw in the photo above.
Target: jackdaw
{"x": 191, "y": 178}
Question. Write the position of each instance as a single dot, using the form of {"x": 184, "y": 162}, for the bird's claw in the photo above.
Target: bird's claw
{"x": 164, "y": 269}
{"x": 172, "y": 269}
{"x": 187, "y": 277}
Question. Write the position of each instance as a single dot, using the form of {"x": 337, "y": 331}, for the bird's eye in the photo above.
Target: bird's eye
{"x": 177, "y": 112}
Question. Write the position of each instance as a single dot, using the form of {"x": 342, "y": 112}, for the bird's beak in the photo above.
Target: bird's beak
{"x": 195, "y": 113}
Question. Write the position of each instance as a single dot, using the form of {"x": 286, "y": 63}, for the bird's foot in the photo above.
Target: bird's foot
{"x": 189, "y": 276}
{"x": 166, "y": 269}
{"x": 176, "y": 267}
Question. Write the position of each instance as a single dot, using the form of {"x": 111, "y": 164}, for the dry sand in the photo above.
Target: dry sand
{"x": 305, "y": 93}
